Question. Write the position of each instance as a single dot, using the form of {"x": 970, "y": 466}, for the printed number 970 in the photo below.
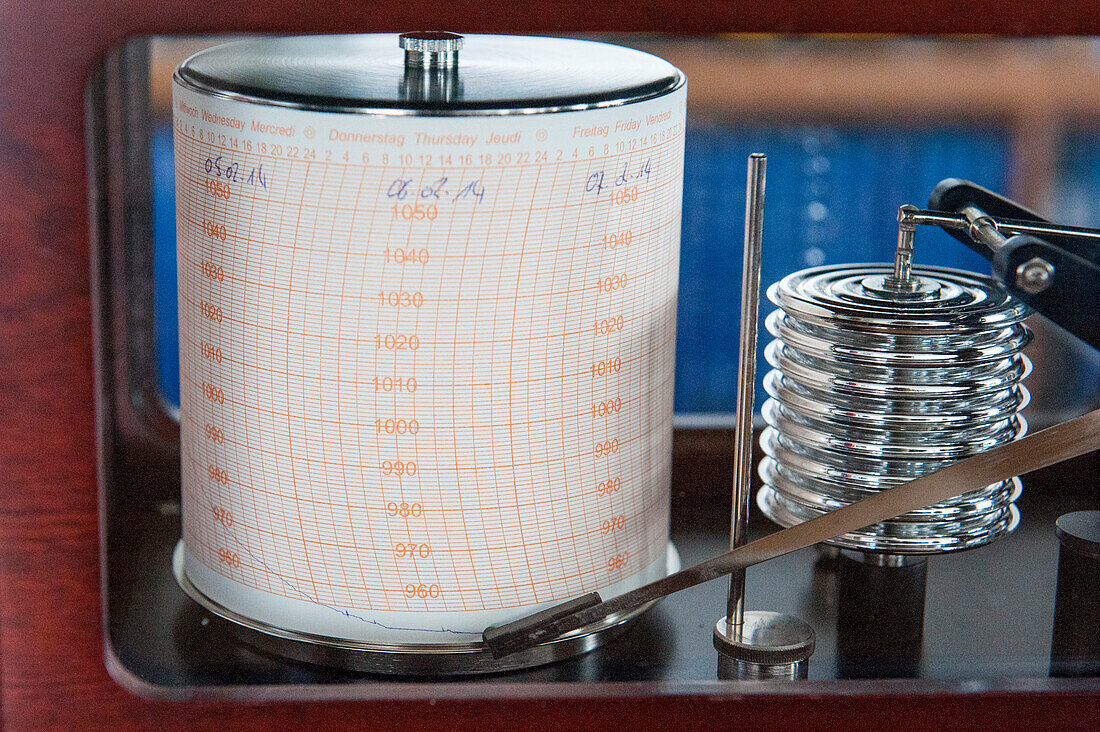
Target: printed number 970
{"x": 222, "y": 516}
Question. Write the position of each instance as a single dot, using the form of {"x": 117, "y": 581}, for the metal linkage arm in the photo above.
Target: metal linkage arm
{"x": 1055, "y": 269}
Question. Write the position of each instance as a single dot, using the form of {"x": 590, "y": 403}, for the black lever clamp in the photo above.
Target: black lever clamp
{"x": 1057, "y": 274}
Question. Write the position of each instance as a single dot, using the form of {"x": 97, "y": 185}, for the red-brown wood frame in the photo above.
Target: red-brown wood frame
{"x": 51, "y": 648}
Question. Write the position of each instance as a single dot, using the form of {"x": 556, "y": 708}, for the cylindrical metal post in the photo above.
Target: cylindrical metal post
{"x": 880, "y": 615}
{"x": 771, "y": 646}
{"x": 1075, "y": 644}
{"x": 746, "y": 379}
{"x": 755, "y": 645}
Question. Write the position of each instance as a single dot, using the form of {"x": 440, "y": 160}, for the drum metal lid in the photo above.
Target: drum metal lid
{"x": 429, "y": 73}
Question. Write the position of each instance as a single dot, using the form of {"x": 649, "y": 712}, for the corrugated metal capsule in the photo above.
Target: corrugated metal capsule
{"x": 871, "y": 388}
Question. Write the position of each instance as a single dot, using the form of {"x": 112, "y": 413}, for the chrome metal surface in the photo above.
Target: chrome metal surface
{"x": 367, "y": 74}
{"x": 756, "y": 180}
{"x": 872, "y": 387}
{"x": 431, "y": 67}
{"x": 739, "y": 670}
{"x": 430, "y": 48}
{"x": 766, "y": 645}
{"x": 983, "y": 228}
{"x": 875, "y": 559}
{"x": 450, "y": 659}
{"x": 1034, "y": 275}
{"x": 901, "y": 280}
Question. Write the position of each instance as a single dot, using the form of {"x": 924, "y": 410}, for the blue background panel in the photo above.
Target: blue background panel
{"x": 164, "y": 264}
{"x": 1076, "y": 198}
{"x": 832, "y": 197}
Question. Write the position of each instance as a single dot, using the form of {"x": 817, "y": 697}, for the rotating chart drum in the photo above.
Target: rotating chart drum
{"x": 427, "y": 326}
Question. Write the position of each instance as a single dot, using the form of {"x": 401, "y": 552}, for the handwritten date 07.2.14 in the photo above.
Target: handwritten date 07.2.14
{"x": 622, "y": 175}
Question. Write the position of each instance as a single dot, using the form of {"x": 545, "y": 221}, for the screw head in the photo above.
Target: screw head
{"x": 1034, "y": 275}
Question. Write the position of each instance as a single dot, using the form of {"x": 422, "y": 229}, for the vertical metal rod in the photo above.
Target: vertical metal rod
{"x": 903, "y": 256}
{"x": 901, "y": 280}
{"x": 746, "y": 380}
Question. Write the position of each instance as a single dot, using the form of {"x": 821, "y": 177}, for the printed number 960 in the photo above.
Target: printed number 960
{"x": 422, "y": 591}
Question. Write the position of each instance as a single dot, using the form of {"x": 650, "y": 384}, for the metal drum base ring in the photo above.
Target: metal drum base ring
{"x": 409, "y": 659}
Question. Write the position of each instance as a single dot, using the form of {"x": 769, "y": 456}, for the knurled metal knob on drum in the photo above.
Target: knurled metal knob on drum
{"x": 430, "y": 48}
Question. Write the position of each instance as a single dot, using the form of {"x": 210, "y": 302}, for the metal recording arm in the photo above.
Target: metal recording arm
{"x": 1053, "y": 268}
